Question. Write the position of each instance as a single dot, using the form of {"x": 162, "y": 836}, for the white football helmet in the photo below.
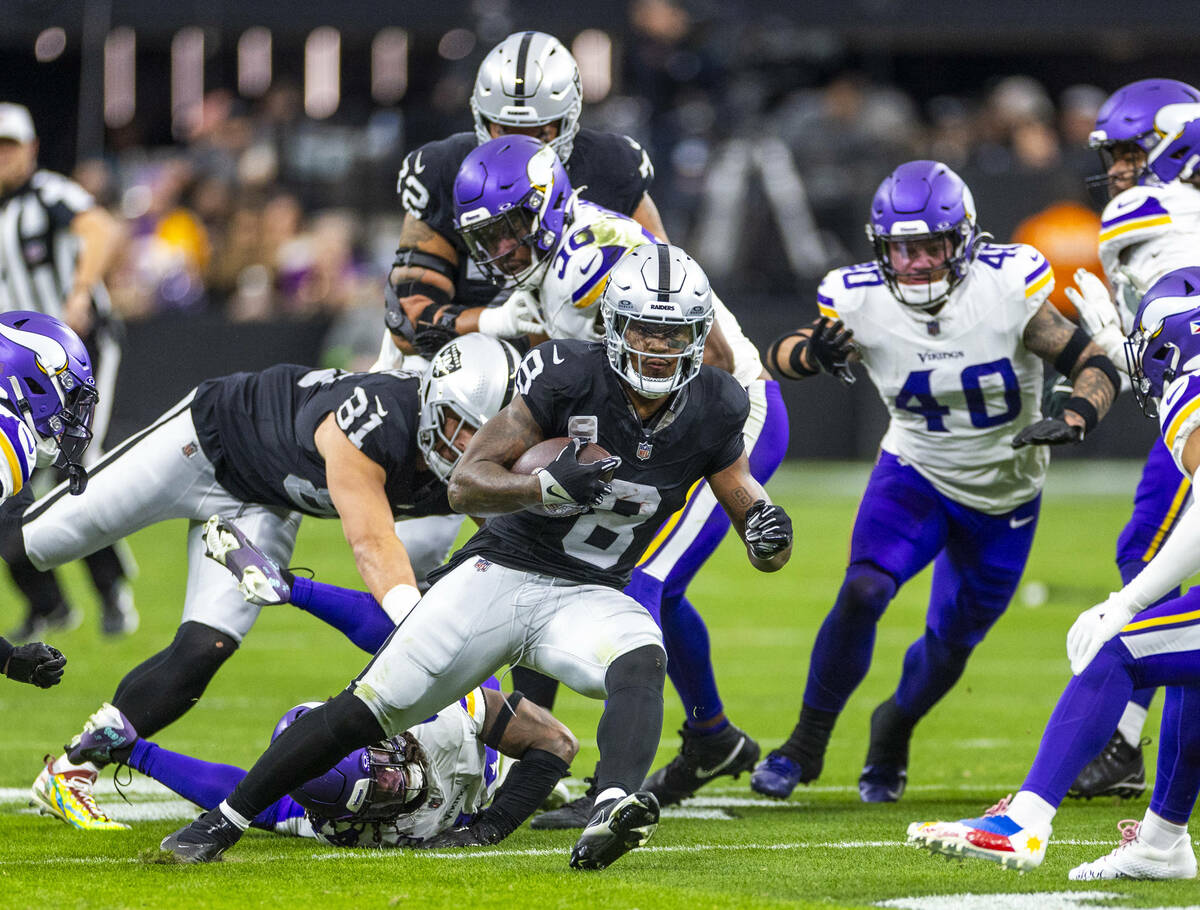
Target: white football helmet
{"x": 470, "y": 379}
{"x": 658, "y": 296}
{"x": 529, "y": 79}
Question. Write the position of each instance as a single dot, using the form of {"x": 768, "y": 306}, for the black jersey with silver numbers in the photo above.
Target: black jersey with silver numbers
{"x": 258, "y": 431}
{"x": 609, "y": 169}
{"x": 696, "y": 435}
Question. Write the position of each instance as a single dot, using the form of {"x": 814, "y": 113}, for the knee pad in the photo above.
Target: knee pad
{"x": 867, "y": 590}
{"x": 644, "y": 667}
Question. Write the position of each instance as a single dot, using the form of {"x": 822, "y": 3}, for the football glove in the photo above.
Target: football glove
{"x": 768, "y": 529}
{"x": 567, "y": 482}
{"x": 1094, "y": 627}
{"x": 37, "y": 664}
{"x": 434, "y": 332}
{"x": 517, "y": 316}
{"x": 477, "y": 834}
{"x": 830, "y": 348}
{"x": 1053, "y": 431}
{"x": 1098, "y": 314}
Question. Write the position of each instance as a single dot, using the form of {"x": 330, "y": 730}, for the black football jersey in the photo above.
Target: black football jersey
{"x": 610, "y": 170}
{"x": 257, "y": 430}
{"x": 697, "y": 434}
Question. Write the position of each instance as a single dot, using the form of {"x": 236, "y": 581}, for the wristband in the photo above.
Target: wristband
{"x": 1084, "y": 409}
{"x": 1065, "y": 361}
{"x": 398, "y": 601}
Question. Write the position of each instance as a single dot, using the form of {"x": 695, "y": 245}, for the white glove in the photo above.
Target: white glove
{"x": 1098, "y": 314}
{"x": 517, "y": 316}
{"x": 1094, "y": 627}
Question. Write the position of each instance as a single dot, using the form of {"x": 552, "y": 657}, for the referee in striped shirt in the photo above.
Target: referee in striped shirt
{"x": 56, "y": 244}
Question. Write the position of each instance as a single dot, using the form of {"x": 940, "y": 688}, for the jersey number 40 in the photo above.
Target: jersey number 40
{"x": 916, "y": 397}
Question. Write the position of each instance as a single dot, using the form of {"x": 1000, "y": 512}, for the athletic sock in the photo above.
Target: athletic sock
{"x": 1029, "y": 810}
{"x": 809, "y": 740}
{"x": 1155, "y": 831}
{"x": 1132, "y": 722}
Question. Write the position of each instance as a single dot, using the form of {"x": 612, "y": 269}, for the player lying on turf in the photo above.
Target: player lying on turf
{"x": 47, "y": 402}
{"x": 1123, "y": 644}
{"x": 266, "y": 447}
{"x": 540, "y": 584}
{"x": 954, "y": 331}
{"x": 512, "y": 196}
{"x": 403, "y": 791}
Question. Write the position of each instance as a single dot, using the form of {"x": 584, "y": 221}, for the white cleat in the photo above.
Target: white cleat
{"x": 1133, "y": 858}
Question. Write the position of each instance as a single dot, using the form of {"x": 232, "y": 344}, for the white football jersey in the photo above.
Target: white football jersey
{"x": 18, "y": 451}
{"x": 961, "y": 384}
{"x": 1146, "y": 232}
{"x": 569, "y": 295}
{"x": 462, "y": 777}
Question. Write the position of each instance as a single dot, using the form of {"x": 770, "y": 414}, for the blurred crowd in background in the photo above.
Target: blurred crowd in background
{"x": 767, "y": 148}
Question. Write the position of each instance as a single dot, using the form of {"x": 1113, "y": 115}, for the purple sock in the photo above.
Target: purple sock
{"x": 201, "y": 782}
{"x": 931, "y": 668}
{"x": 689, "y": 661}
{"x": 356, "y": 614}
{"x": 1085, "y": 717}
{"x": 1177, "y": 779}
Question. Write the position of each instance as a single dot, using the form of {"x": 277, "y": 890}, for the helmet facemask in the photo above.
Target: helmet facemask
{"x": 495, "y": 243}
{"x": 656, "y": 357}
{"x": 396, "y": 782}
{"x": 442, "y": 424}
{"x": 950, "y": 251}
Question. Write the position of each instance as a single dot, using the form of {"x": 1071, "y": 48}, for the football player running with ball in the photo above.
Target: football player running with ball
{"x": 1132, "y": 640}
{"x": 540, "y": 584}
{"x": 953, "y": 331}
{"x": 521, "y": 219}
{"x": 266, "y": 448}
{"x": 47, "y": 403}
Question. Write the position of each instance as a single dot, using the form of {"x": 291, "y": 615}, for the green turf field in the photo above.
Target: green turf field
{"x": 725, "y": 849}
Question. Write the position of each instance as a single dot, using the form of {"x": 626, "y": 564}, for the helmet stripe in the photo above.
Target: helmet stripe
{"x": 522, "y": 58}
{"x": 512, "y": 361}
{"x": 664, "y": 272}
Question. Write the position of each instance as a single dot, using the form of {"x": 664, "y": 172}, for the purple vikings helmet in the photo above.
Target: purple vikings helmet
{"x": 510, "y": 193}
{"x": 918, "y": 203}
{"x": 1128, "y": 117}
{"x": 375, "y": 783}
{"x": 47, "y": 377}
{"x": 1165, "y": 340}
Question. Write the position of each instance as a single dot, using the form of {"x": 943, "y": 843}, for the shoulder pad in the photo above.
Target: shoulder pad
{"x": 18, "y": 453}
{"x": 837, "y": 292}
{"x": 1179, "y": 414}
{"x": 1132, "y": 216}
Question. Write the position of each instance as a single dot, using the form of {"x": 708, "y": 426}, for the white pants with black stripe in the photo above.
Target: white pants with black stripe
{"x": 158, "y": 474}
{"x": 482, "y": 616}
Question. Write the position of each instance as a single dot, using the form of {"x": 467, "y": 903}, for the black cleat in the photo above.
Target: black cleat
{"x": 1119, "y": 770}
{"x": 473, "y": 835}
{"x": 618, "y": 826}
{"x": 702, "y": 758}
{"x": 574, "y": 814}
{"x": 885, "y": 772}
{"x": 204, "y": 840}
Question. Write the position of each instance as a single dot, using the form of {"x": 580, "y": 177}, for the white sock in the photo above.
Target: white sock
{"x": 62, "y": 763}
{"x": 610, "y": 793}
{"x": 1159, "y": 833}
{"x": 234, "y": 817}
{"x": 1029, "y": 810}
{"x": 1132, "y": 722}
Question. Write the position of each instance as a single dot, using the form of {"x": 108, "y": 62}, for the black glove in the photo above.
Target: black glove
{"x": 1053, "y": 431}
{"x": 433, "y": 334}
{"x": 36, "y": 663}
{"x": 830, "y": 346}
{"x": 768, "y": 529}
{"x": 583, "y": 484}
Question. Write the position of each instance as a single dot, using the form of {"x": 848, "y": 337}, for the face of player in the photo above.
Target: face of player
{"x": 544, "y": 133}
{"x": 459, "y": 432}
{"x": 1128, "y": 161}
{"x": 17, "y": 162}
{"x": 920, "y": 260}
{"x": 501, "y": 241}
{"x": 649, "y": 341}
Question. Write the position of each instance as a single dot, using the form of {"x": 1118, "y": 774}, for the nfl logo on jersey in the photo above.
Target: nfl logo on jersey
{"x": 643, "y": 450}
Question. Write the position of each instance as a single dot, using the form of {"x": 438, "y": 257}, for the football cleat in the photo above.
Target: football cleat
{"x": 575, "y": 814}
{"x": 702, "y": 758}
{"x": 118, "y": 615}
{"x": 1119, "y": 770}
{"x": 38, "y": 626}
{"x": 104, "y": 731}
{"x": 994, "y": 837}
{"x": 1133, "y": 858}
{"x": 473, "y": 835}
{"x": 882, "y": 783}
{"x": 885, "y": 772}
{"x": 67, "y": 795}
{"x": 616, "y": 827}
{"x": 204, "y": 840}
{"x": 258, "y": 576}
{"x": 776, "y": 776}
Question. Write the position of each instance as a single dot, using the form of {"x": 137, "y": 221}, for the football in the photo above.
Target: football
{"x": 543, "y": 454}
